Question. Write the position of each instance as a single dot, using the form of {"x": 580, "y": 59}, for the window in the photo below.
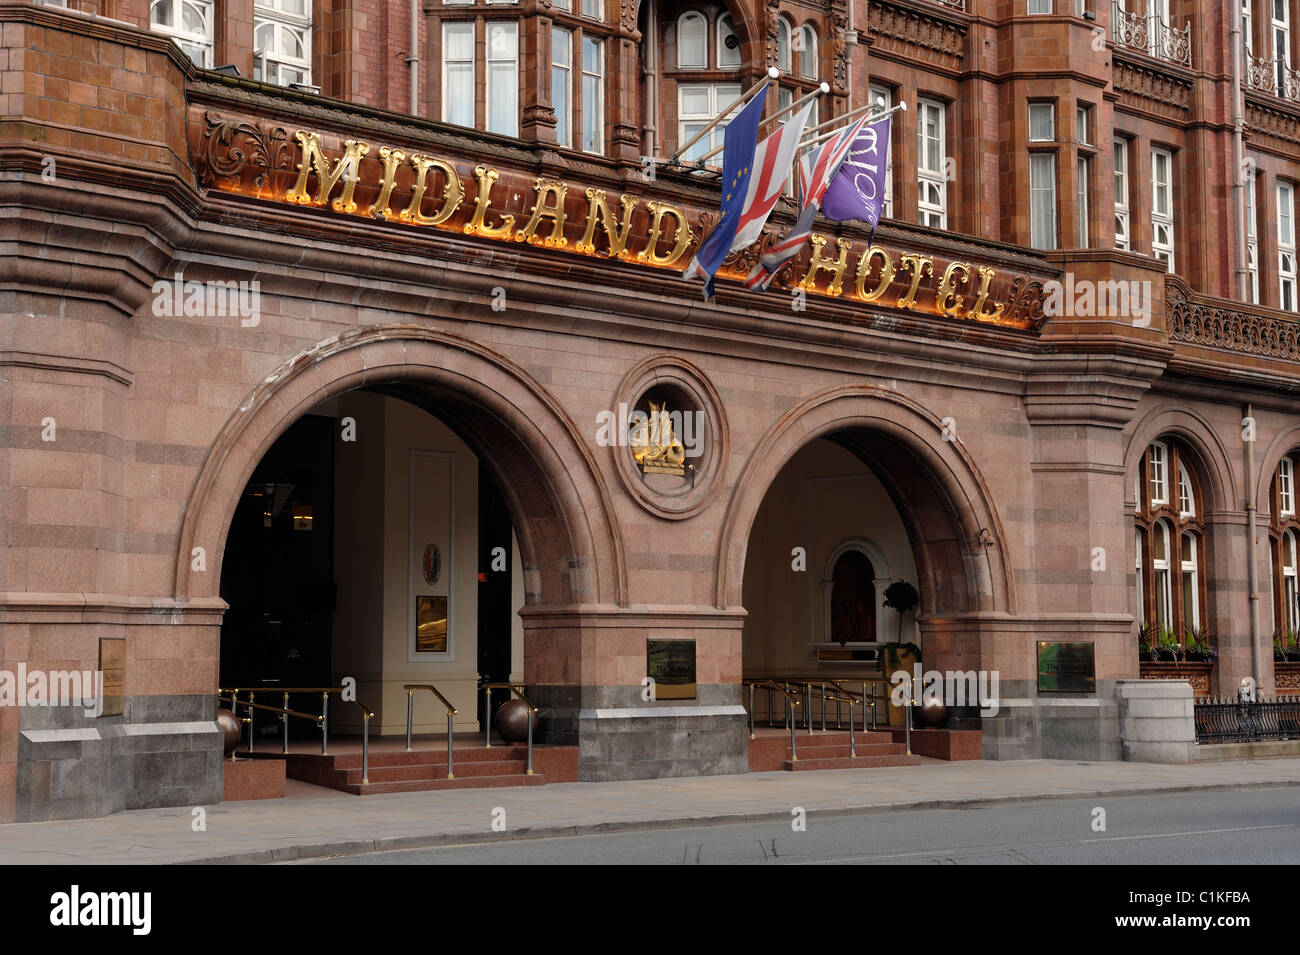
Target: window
{"x": 1042, "y": 200}
{"x": 932, "y": 201}
{"x": 696, "y": 105}
{"x": 562, "y": 84}
{"x": 1040, "y": 6}
{"x": 593, "y": 94}
{"x": 1186, "y": 497}
{"x": 1121, "y": 194}
{"x": 1286, "y": 251}
{"x": 808, "y": 51}
{"x": 783, "y": 44}
{"x": 1286, "y": 488}
{"x": 1157, "y": 20}
{"x": 1246, "y": 29}
{"x": 1042, "y": 125}
{"x": 594, "y": 9}
{"x": 1281, "y": 47}
{"x": 458, "y": 72}
{"x": 728, "y": 43}
{"x": 188, "y": 23}
{"x": 1162, "y": 207}
{"x": 282, "y": 41}
{"x": 1157, "y": 456}
{"x": 1252, "y": 242}
{"x": 1084, "y": 170}
{"x": 1083, "y": 125}
{"x": 1284, "y": 534}
{"x": 692, "y": 41}
{"x": 853, "y": 599}
{"x": 1170, "y": 539}
{"x": 882, "y": 98}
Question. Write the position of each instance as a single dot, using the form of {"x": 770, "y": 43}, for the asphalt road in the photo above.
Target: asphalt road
{"x": 1224, "y": 828}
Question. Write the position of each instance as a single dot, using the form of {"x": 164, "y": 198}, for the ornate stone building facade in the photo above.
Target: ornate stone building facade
{"x": 322, "y": 323}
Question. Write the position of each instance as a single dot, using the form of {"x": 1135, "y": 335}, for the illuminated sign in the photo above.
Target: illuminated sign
{"x": 414, "y": 189}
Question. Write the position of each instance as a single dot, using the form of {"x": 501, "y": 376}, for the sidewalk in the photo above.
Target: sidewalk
{"x": 312, "y": 822}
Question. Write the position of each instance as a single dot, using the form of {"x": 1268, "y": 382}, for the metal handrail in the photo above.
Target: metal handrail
{"x": 322, "y": 721}
{"x": 410, "y": 712}
{"x": 514, "y": 688}
{"x": 792, "y": 700}
{"x": 838, "y": 699}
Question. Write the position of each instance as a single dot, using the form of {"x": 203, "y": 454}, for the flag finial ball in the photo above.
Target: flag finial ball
{"x": 773, "y": 72}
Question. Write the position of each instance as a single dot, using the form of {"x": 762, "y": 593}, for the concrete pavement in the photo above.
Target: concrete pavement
{"x": 310, "y": 822}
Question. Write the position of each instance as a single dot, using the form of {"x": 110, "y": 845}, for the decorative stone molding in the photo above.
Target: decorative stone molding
{"x": 1152, "y": 91}
{"x": 916, "y": 35}
{"x": 1218, "y": 325}
{"x": 242, "y": 154}
{"x": 1270, "y": 128}
{"x": 691, "y": 393}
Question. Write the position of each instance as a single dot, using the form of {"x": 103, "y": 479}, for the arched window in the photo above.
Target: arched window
{"x": 783, "y": 44}
{"x": 808, "y": 51}
{"x": 1170, "y": 540}
{"x": 853, "y": 599}
{"x": 1284, "y": 533}
{"x": 692, "y": 41}
{"x": 728, "y": 43}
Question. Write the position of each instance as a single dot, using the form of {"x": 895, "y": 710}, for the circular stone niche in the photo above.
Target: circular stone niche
{"x": 670, "y": 457}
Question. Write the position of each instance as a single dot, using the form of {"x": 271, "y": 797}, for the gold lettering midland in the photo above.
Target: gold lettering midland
{"x": 391, "y": 158}
{"x": 348, "y": 168}
{"x": 451, "y": 192}
{"x": 553, "y": 210}
{"x": 681, "y": 233}
{"x": 616, "y": 234}
{"x": 477, "y": 225}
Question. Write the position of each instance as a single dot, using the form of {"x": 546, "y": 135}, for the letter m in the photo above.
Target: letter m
{"x": 119, "y": 904}
{"x": 964, "y": 687}
{"x": 1112, "y": 299}
{"x": 313, "y": 160}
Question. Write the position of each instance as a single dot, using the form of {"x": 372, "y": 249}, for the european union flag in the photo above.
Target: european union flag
{"x": 739, "y": 139}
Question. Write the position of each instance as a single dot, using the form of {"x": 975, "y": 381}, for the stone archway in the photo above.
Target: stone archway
{"x": 570, "y": 546}
{"x": 935, "y": 485}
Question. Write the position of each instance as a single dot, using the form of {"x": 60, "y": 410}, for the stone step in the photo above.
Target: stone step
{"x": 511, "y": 767}
{"x": 863, "y": 749}
{"x": 845, "y": 762}
{"x": 420, "y": 757}
{"x": 430, "y": 785}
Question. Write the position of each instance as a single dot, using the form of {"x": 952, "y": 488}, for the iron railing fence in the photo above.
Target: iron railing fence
{"x": 1231, "y": 720}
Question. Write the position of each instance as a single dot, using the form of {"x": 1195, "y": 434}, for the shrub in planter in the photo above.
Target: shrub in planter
{"x": 1145, "y": 653}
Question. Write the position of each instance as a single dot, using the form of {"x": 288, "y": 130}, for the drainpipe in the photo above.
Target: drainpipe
{"x": 413, "y": 59}
{"x": 1238, "y": 122}
{"x": 850, "y": 46}
{"x": 1252, "y": 574}
{"x": 650, "y": 72}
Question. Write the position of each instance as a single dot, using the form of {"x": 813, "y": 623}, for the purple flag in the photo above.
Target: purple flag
{"x": 858, "y": 189}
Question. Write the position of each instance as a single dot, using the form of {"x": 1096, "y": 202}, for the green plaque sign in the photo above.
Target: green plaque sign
{"x": 1066, "y": 667}
{"x": 671, "y": 664}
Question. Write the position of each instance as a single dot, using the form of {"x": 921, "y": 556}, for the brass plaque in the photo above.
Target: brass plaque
{"x": 671, "y": 664}
{"x": 431, "y": 624}
{"x": 1066, "y": 667}
{"x": 112, "y": 665}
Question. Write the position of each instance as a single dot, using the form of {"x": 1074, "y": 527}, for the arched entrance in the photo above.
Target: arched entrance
{"x": 865, "y": 472}
{"x": 569, "y": 550}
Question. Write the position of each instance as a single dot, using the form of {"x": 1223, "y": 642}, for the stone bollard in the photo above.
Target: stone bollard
{"x": 1157, "y": 724}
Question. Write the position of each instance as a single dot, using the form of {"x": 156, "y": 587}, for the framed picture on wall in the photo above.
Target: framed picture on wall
{"x": 430, "y": 624}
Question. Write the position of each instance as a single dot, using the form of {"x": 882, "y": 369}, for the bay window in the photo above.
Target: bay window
{"x": 1120, "y": 147}
{"x": 593, "y": 94}
{"x": 1284, "y": 534}
{"x": 1286, "y": 246}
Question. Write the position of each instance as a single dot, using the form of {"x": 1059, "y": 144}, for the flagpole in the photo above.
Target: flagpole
{"x": 772, "y": 73}
{"x": 823, "y": 88}
{"x": 813, "y": 141}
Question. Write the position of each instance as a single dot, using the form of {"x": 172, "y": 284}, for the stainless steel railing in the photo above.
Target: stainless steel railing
{"x": 516, "y": 690}
{"x": 322, "y": 721}
{"x": 410, "y": 712}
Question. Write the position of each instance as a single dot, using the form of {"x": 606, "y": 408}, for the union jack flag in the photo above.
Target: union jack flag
{"x": 816, "y": 170}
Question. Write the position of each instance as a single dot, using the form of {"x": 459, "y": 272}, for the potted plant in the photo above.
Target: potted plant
{"x": 1167, "y": 649}
{"x": 1198, "y": 646}
{"x": 1279, "y": 653}
{"x": 1146, "y": 639}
